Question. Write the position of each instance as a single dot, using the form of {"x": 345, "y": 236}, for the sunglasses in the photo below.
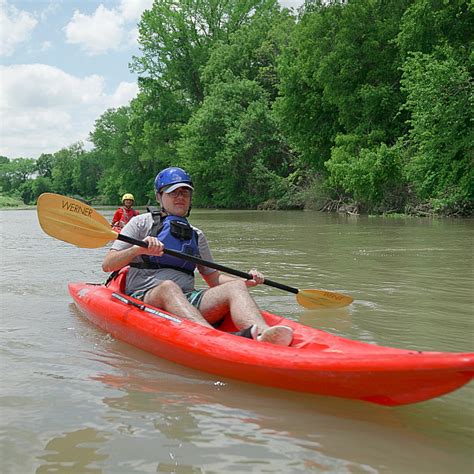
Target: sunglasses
{"x": 180, "y": 192}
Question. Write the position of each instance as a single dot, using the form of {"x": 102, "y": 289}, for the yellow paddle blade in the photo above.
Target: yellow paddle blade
{"x": 322, "y": 299}
{"x": 73, "y": 221}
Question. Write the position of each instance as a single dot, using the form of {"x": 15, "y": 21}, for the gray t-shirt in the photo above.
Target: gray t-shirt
{"x": 139, "y": 227}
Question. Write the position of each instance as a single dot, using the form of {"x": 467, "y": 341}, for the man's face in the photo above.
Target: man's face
{"x": 177, "y": 202}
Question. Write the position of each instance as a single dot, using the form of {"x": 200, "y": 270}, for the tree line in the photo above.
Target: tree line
{"x": 362, "y": 106}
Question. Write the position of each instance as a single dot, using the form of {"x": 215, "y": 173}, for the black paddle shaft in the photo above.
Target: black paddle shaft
{"x": 206, "y": 263}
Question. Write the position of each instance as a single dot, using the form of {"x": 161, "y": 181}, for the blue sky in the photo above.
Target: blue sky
{"x": 62, "y": 64}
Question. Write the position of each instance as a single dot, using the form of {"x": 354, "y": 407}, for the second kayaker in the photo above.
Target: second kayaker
{"x": 168, "y": 283}
{"x": 125, "y": 213}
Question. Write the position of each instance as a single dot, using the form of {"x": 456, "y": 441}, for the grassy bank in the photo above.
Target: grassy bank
{"x": 10, "y": 201}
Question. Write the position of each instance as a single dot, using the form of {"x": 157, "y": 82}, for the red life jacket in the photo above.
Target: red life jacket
{"x": 125, "y": 216}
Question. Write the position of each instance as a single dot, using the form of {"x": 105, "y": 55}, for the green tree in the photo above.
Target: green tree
{"x": 87, "y": 171}
{"x": 14, "y": 173}
{"x": 62, "y": 174}
{"x": 340, "y": 97}
{"x": 435, "y": 40}
{"x": 251, "y": 52}
{"x": 375, "y": 179}
{"x": 117, "y": 154}
{"x": 440, "y": 100}
{"x": 176, "y": 38}
{"x": 39, "y": 186}
{"x": 156, "y": 118}
{"x": 361, "y": 75}
{"x": 45, "y": 164}
{"x": 427, "y": 24}
{"x": 308, "y": 120}
{"x": 232, "y": 144}
{"x": 232, "y": 149}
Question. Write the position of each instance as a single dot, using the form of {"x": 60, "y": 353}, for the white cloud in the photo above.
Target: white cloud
{"x": 15, "y": 27}
{"x": 132, "y": 10}
{"x": 124, "y": 93}
{"x": 44, "y": 109}
{"x": 98, "y": 33}
{"x": 40, "y": 85}
{"x": 106, "y": 29}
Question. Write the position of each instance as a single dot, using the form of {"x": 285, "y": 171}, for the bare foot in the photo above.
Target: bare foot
{"x": 279, "y": 335}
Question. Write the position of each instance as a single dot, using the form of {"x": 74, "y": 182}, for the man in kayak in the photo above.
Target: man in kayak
{"x": 125, "y": 213}
{"x": 168, "y": 282}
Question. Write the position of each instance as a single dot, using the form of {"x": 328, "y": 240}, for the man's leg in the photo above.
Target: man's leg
{"x": 231, "y": 297}
{"x": 169, "y": 296}
{"x": 216, "y": 302}
{"x": 234, "y": 297}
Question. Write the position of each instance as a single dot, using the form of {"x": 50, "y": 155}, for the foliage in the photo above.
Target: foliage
{"x": 44, "y": 165}
{"x": 70, "y": 171}
{"x": 230, "y": 147}
{"x": 440, "y": 100}
{"x": 307, "y": 119}
{"x": 341, "y": 103}
{"x": 39, "y": 186}
{"x": 361, "y": 105}
{"x": 372, "y": 175}
{"x": 156, "y": 118}
{"x": 176, "y": 38}
{"x": 64, "y": 171}
{"x": 10, "y": 201}
{"x": 14, "y": 173}
{"x": 427, "y": 24}
{"x": 251, "y": 52}
{"x": 113, "y": 149}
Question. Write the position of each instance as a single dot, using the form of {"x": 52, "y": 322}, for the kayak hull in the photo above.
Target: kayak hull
{"x": 316, "y": 362}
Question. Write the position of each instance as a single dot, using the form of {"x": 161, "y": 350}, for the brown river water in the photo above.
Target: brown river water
{"x": 75, "y": 400}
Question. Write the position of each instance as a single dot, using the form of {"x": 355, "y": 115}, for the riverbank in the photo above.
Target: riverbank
{"x": 12, "y": 202}
{"x": 328, "y": 206}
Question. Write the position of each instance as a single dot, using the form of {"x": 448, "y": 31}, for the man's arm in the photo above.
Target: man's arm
{"x": 117, "y": 259}
{"x": 217, "y": 278}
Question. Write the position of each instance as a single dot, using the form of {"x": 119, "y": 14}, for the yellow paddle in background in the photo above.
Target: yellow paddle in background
{"x": 77, "y": 223}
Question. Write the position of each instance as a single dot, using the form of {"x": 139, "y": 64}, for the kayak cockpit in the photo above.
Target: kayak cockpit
{"x": 301, "y": 340}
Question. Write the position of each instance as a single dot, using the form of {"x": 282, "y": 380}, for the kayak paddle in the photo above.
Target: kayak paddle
{"x": 77, "y": 223}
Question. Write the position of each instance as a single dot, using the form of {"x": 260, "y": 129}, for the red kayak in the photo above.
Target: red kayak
{"x": 316, "y": 362}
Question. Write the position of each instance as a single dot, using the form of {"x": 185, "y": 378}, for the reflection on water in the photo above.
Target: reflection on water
{"x": 75, "y": 400}
{"x": 70, "y": 451}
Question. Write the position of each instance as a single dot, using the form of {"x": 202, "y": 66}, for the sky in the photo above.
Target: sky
{"x": 62, "y": 64}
